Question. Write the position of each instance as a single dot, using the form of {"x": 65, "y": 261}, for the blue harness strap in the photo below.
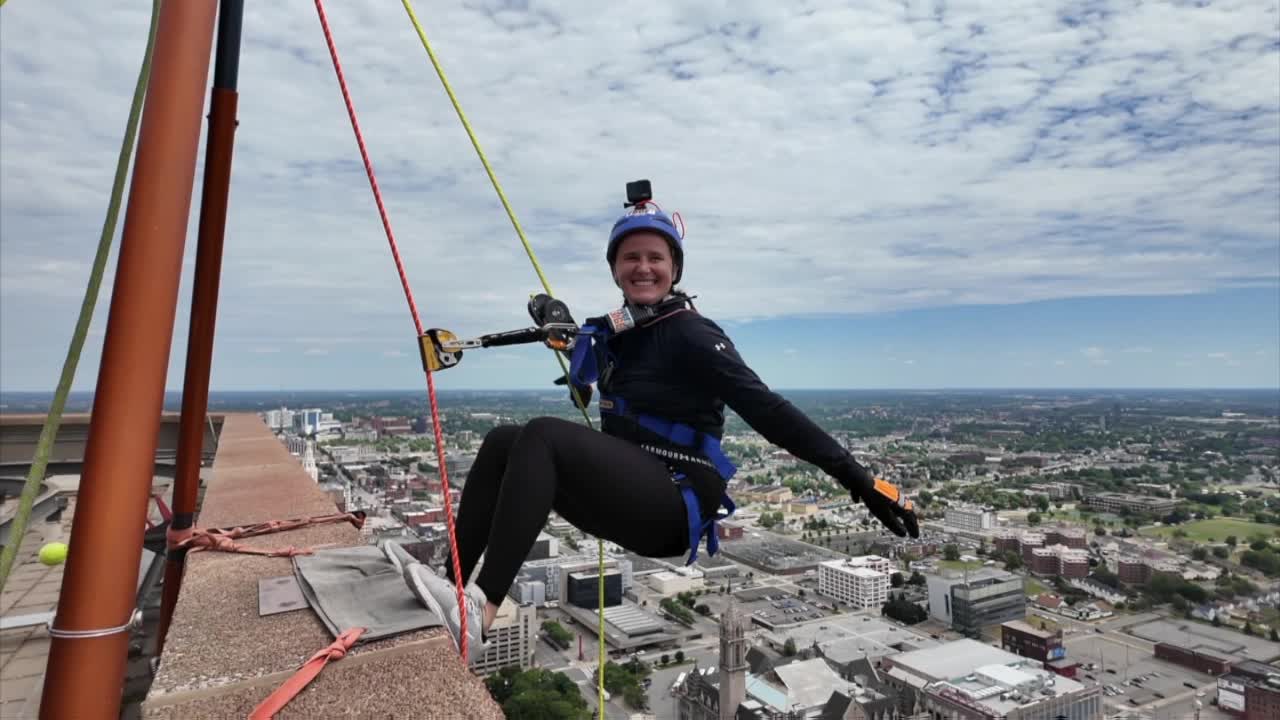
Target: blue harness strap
{"x": 697, "y": 528}
{"x": 678, "y": 433}
{"x": 709, "y": 447}
{"x": 584, "y": 369}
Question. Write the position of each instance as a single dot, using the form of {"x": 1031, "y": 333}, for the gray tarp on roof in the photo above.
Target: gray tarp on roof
{"x": 360, "y": 587}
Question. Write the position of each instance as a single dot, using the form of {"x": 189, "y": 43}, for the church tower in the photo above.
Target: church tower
{"x": 733, "y": 660}
{"x": 309, "y": 461}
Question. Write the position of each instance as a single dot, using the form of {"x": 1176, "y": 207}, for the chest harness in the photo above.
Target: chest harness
{"x": 584, "y": 369}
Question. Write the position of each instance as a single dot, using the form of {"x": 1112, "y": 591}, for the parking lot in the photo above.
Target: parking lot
{"x": 1129, "y": 675}
{"x": 774, "y": 607}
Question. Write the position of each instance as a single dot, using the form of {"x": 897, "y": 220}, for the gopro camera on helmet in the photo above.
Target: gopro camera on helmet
{"x": 638, "y": 191}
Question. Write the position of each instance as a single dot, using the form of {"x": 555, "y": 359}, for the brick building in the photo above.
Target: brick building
{"x": 1251, "y": 690}
{"x": 1018, "y": 637}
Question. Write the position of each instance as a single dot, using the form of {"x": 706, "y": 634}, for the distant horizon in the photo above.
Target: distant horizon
{"x": 779, "y": 389}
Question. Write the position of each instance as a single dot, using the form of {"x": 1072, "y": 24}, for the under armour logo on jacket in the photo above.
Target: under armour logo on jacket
{"x": 720, "y": 346}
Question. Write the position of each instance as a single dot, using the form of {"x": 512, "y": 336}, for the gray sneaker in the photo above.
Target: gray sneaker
{"x": 397, "y": 555}
{"x": 441, "y": 597}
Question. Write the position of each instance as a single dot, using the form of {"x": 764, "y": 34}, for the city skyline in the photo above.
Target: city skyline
{"x": 874, "y": 198}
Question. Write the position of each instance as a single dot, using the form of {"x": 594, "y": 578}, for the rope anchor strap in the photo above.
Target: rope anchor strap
{"x": 224, "y": 540}
{"x": 290, "y": 688}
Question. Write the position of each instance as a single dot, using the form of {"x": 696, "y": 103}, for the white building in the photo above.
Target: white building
{"x": 297, "y": 445}
{"x": 667, "y": 583}
{"x": 354, "y": 454}
{"x": 511, "y": 639}
{"x": 970, "y": 518}
{"x": 861, "y": 581}
{"x": 967, "y": 678}
{"x": 281, "y": 419}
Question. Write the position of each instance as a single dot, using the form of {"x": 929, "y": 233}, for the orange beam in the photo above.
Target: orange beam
{"x": 85, "y": 675}
{"x": 204, "y": 311}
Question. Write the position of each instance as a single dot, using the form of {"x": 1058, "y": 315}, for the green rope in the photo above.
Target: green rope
{"x": 50, "y": 430}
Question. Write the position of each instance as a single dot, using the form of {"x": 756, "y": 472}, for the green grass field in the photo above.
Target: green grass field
{"x": 959, "y": 565}
{"x": 1217, "y": 530}
{"x": 1034, "y": 587}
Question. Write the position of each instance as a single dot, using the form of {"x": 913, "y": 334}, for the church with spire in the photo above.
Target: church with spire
{"x": 716, "y": 693}
{"x": 746, "y": 684}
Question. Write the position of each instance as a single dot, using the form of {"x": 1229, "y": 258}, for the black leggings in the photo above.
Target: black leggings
{"x": 603, "y": 485}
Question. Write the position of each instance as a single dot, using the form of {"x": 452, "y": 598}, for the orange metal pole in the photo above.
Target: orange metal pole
{"x": 85, "y": 673}
{"x": 204, "y": 303}
{"x": 204, "y": 311}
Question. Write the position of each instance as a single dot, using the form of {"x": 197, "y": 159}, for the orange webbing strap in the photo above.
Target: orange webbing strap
{"x": 276, "y": 701}
{"x": 223, "y": 540}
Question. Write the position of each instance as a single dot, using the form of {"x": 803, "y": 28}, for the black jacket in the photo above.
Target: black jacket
{"x": 684, "y": 368}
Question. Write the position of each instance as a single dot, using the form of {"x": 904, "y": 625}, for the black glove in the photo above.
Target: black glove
{"x": 889, "y": 504}
{"x": 584, "y": 391}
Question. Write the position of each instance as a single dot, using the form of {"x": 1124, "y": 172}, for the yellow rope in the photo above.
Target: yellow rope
{"x": 426, "y": 45}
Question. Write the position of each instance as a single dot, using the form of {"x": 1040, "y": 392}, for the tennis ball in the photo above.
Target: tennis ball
{"x": 54, "y": 553}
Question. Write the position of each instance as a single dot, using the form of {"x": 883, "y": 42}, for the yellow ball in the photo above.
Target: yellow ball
{"x": 54, "y": 553}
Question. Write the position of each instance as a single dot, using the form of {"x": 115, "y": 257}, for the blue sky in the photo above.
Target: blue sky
{"x": 905, "y": 195}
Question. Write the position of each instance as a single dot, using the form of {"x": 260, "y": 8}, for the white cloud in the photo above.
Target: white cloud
{"x": 825, "y": 159}
{"x": 1060, "y": 363}
{"x": 1137, "y": 349}
{"x": 265, "y": 350}
{"x": 1095, "y": 355}
{"x": 315, "y": 351}
{"x": 393, "y": 353}
{"x": 1219, "y": 355}
{"x": 790, "y": 351}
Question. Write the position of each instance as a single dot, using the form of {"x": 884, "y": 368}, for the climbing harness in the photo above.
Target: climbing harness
{"x": 584, "y": 369}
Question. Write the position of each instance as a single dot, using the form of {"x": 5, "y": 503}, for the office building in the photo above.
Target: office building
{"x": 553, "y": 574}
{"x": 1071, "y": 537}
{"x": 546, "y": 546}
{"x": 307, "y": 422}
{"x": 986, "y": 597}
{"x": 971, "y": 680}
{"x": 511, "y": 639}
{"x": 1117, "y": 502}
{"x": 970, "y": 517}
{"x": 1059, "y": 560}
{"x": 584, "y": 590}
{"x": 1027, "y": 543}
{"x": 863, "y": 582}
{"x": 526, "y": 591}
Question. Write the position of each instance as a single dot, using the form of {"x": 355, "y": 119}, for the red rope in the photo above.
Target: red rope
{"x": 303, "y": 676}
{"x": 224, "y": 539}
{"x": 417, "y": 323}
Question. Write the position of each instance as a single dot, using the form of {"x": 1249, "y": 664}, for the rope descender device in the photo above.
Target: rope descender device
{"x": 441, "y": 349}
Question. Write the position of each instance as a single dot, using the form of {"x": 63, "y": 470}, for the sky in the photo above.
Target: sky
{"x": 876, "y": 195}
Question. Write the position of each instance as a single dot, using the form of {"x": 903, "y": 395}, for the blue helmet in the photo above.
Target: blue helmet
{"x": 646, "y": 216}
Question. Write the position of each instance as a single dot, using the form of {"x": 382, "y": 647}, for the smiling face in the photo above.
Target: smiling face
{"x": 643, "y": 268}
